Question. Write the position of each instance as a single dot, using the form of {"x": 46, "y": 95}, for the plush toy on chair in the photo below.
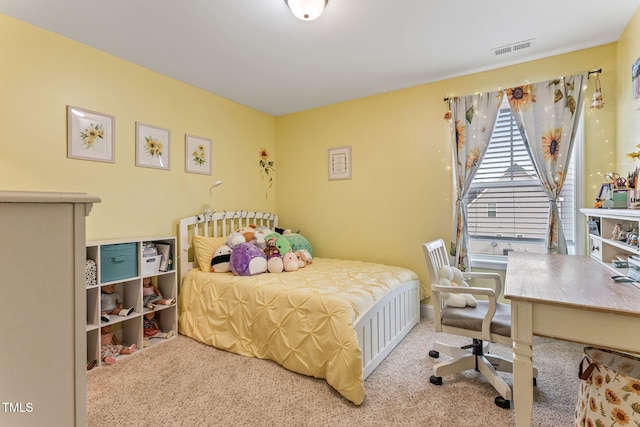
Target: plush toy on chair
{"x": 451, "y": 276}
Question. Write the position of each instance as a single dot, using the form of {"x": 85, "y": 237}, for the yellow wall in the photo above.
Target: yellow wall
{"x": 42, "y": 73}
{"x": 400, "y": 194}
{"x": 628, "y": 120}
{"x": 398, "y": 198}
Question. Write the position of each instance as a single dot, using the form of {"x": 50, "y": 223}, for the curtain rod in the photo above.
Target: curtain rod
{"x": 598, "y": 71}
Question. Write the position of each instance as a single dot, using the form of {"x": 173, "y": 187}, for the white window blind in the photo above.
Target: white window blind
{"x": 507, "y": 208}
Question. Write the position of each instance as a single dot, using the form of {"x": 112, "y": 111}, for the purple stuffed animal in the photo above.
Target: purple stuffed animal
{"x": 247, "y": 259}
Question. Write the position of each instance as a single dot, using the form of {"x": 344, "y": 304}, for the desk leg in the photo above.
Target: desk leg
{"x": 522, "y": 334}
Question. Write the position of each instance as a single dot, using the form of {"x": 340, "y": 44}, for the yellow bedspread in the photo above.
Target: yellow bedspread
{"x": 302, "y": 320}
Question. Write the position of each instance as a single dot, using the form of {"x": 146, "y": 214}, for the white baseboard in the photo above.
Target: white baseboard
{"x": 426, "y": 311}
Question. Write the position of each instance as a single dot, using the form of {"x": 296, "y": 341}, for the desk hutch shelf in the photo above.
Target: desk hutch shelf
{"x": 606, "y": 249}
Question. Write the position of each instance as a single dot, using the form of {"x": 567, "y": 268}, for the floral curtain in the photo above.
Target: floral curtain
{"x": 472, "y": 120}
{"x": 547, "y": 115}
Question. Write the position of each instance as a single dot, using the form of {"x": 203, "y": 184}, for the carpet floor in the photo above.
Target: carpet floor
{"x": 182, "y": 382}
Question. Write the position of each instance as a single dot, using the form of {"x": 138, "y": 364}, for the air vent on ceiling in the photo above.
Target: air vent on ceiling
{"x": 513, "y": 47}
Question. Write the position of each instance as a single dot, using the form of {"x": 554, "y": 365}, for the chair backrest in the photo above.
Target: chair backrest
{"x": 435, "y": 254}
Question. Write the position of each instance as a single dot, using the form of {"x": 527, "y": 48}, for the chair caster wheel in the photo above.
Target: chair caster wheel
{"x": 535, "y": 382}
{"x": 435, "y": 354}
{"x": 502, "y": 402}
{"x": 438, "y": 381}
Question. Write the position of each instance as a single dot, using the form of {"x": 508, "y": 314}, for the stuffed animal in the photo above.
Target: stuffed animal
{"x": 271, "y": 247}
{"x": 282, "y": 243}
{"x": 235, "y": 238}
{"x": 290, "y": 261}
{"x": 274, "y": 260}
{"x": 274, "y": 263}
{"x": 248, "y": 232}
{"x": 305, "y": 256}
{"x": 301, "y": 263}
{"x": 298, "y": 242}
{"x": 247, "y": 260}
{"x": 282, "y": 230}
{"x": 220, "y": 263}
{"x": 451, "y": 276}
{"x": 259, "y": 236}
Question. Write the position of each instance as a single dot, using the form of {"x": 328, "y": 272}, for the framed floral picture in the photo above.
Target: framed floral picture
{"x": 197, "y": 155}
{"x": 339, "y": 163}
{"x": 90, "y": 135}
{"x": 152, "y": 146}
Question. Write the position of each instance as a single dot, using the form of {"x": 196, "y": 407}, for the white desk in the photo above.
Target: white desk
{"x": 567, "y": 297}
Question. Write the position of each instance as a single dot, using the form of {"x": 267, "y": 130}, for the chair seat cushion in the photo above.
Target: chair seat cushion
{"x": 471, "y": 318}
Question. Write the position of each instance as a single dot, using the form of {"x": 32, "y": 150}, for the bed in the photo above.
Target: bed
{"x": 333, "y": 319}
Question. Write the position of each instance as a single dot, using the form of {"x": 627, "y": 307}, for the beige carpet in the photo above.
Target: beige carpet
{"x": 184, "y": 383}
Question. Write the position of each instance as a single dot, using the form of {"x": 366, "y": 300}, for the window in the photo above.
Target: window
{"x": 507, "y": 179}
{"x": 491, "y": 213}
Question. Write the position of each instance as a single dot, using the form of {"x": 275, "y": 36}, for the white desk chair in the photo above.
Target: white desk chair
{"x": 489, "y": 321}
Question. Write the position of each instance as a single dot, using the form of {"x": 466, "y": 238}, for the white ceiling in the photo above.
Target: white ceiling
{"x": 255, "y": 52}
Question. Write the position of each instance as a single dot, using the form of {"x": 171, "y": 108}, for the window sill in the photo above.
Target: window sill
{"x": 489, "y": 262}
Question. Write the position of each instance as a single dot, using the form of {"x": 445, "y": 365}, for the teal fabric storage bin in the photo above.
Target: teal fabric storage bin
{"x": 118, "y": 262}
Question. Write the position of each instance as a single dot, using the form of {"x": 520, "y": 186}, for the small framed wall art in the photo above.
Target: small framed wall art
{"x": 90, "y": 135}
{"x": 197, "y": 155}
{"x": 152, "y": 146}
{"x": 339, "y": 163}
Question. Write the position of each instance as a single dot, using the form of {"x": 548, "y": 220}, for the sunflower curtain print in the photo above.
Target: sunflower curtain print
{"x": 267, "y": 169}
{"x": 152, "y": 146}
{"x": 548, "y": 114}
{"x": 472, "y": 120}
{"x": 90, "y": 135}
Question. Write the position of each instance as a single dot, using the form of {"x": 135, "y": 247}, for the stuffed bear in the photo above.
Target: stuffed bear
{"x": 247, "y": 260}
{"x": 270, "y": 246}
{"x": 220, "y": 263}
{"x": 451, "y": 276}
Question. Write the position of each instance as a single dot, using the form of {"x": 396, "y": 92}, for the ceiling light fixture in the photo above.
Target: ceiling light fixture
{"x": 307, "y": 10}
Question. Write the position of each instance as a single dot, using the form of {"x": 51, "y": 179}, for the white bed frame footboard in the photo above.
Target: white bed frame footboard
{"x": 379, "y": 329}
{"x": 386, "y": 323}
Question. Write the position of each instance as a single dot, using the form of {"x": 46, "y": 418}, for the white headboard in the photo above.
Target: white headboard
{"x": 214, "y": 224}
